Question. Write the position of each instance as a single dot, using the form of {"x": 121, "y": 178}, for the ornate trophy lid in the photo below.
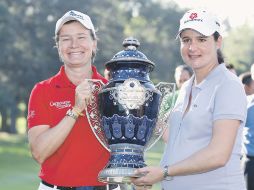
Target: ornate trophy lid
{"x": 130, "y": 55}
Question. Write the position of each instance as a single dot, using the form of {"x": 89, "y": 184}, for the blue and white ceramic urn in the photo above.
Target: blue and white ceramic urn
{"x": 128, "y": 108}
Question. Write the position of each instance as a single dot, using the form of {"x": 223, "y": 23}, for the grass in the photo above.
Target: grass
{"x": 19, "y": 171}
{"x": 17, "y": 168}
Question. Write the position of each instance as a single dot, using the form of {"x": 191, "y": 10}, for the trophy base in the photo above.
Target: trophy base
{"x": 117, "y": 175}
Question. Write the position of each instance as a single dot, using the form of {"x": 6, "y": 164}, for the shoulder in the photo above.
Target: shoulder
{"x": 230, "y": 100}
{"x": 45, "y": 84}
{"x": 226, "y": 80}
{"x": 231, "y": 89}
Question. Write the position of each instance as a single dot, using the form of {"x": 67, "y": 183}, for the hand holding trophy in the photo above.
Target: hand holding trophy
{"x": 127, "y": 118}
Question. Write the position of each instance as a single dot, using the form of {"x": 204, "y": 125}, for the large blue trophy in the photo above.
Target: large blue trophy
{"x": 126, "y": 118}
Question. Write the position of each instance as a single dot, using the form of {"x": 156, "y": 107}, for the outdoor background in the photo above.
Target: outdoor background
{"x": 27, "y": 55}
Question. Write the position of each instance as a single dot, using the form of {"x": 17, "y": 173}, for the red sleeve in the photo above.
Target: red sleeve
{"x": 37, "y": 107}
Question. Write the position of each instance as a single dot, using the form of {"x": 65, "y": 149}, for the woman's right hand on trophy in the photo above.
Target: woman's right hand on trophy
{"x": 83, "y": 95}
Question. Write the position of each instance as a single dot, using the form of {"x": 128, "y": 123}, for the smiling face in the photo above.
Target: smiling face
{"x": 199, "y": 51}
{"x": 75, "y": 44}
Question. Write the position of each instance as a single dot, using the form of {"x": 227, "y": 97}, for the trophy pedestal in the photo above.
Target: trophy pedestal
{"x": 124, "y": 160}
{"x": 117, "y": 175}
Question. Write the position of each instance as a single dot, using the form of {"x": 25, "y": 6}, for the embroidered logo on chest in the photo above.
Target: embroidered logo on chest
{"x": 60, "y": 105}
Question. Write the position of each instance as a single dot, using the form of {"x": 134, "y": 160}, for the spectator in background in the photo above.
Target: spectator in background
{"x": 248, "y": 84}
{"x": 248, "y": 148}
{"x": 182, "y": 74}
{"x": 231, "y": 67}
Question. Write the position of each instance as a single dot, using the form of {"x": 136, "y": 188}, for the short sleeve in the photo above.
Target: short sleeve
{"x": 230, "y": 102}
{"x": 37, "y": 109}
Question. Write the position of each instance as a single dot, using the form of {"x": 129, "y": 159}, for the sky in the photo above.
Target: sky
{"x": 237, "y": 12}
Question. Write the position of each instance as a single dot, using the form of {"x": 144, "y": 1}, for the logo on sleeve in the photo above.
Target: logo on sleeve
{"x": 31, "y": 114}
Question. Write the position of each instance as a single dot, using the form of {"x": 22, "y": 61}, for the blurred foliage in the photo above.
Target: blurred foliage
{"x": 16, "y": 163}
{"x": 27, "y": 46}
{"x": 238, "y": 48}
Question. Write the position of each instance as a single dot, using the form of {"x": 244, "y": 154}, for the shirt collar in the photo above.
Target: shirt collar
{"x": 62, "y": 81}
{"x": 207, "y": 81}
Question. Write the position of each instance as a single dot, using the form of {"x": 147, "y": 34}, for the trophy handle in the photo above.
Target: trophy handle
{"x": 93, "y": 114}
{"x": 167, "y": 102}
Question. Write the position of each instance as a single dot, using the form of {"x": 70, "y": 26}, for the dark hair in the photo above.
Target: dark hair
{"x": 230, "y": 66}
{"x": 220, "y": 56}
{"x": 246, "y": 78}
{"x": 185, "y": 68}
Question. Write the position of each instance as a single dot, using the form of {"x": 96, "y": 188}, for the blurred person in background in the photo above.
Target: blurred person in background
{"x": 231, "y": 68}
{"x": 248, "y": 148}
{"x": 248, "y": 144}
{"x": 248, "y": 84}
{"x": 182, "y": 74}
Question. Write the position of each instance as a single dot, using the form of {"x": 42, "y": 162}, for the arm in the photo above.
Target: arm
{"x": 44, "y": 141}
{"x": 213, "y": 156}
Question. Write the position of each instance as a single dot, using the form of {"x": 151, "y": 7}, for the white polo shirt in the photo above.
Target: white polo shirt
{"x": 219, "y": 96}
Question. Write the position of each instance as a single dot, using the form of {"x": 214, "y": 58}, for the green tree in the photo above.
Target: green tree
{"x": 27, "y": 45}
{"x": 155, "y": 25}
{"x": 238, "y": 47}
